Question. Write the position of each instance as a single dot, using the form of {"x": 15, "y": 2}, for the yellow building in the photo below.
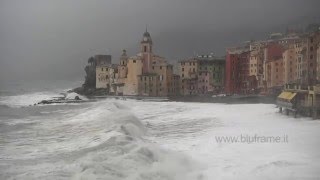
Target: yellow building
{"x": 256, "y": 62}
{"x": 134, "y": 66}
{"x": 188, "y": 76}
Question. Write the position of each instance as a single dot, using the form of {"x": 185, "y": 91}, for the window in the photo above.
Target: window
{"x": 145, "y": 48}
{"x": 182, "y": 69}
{"x": 160, "y": 67}
{"x": 134, "y": 61}
{"x": 152, "y": 67}
{"x": 311, "y": 48}
{"x": 101, "y": 69}
{"x": 311, "y": 56}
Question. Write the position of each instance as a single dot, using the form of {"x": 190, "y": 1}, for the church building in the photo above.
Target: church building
{"x": 148, "y": 74}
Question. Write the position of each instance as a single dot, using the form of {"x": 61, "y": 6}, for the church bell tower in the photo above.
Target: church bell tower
{"x": 146, "y": 43}
{"x": 146, "y": 51}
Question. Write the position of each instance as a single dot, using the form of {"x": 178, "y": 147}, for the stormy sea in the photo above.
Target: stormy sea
{"x": 118, "y": 139}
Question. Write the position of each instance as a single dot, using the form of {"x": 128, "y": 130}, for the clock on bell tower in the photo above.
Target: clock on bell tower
{"x": 146, "y": 43}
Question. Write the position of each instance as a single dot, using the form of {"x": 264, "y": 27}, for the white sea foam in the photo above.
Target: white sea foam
{"x": 191, "y": 128}
{"x": 101, "y": 141}
{"x": 113, "y": 139}
{"x": 22, "y": 100}
{"x": 26, "y": 99}
{"x": 73, "y": 95}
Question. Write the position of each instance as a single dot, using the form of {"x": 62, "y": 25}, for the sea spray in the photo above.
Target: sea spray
{"x": 126, "y": 155}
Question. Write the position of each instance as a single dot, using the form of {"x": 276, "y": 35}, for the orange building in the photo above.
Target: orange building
{"x": 275, "y": 72}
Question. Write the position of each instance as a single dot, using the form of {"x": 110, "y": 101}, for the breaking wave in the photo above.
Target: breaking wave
{"x": 102, "y": 141}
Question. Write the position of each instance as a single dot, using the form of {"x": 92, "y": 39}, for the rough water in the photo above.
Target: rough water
{"x": 130, "y": 139}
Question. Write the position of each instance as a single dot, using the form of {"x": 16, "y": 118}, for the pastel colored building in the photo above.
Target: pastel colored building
{"x": 212, "y": 71}
{"x": 135, "y": 68}
{"x": 273, "y": 59}
{"x": 313, "y": 40}
{"x": 203, "y": 74}
{"x": 188, "y": 75}
{"x": 237, "y": 74}
{"x": 290, "y": 64}
{"x": 275, "y": 73}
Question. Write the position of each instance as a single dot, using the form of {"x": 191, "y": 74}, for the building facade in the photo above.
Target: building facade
{"x": 237, "y": 72}
{"x": 290, "y": 64}
{"x": 104, "y": 72}
{"x": 202, "y": 74}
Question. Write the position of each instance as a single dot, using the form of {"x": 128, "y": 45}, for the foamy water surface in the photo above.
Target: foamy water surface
{"x": 117, "y": 139}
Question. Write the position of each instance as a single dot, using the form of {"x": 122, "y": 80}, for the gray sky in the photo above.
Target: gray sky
{"x": 52, "y": 39}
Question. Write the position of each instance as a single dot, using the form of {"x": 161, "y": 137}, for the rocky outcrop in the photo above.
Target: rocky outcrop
{"x": 85, "y": 91}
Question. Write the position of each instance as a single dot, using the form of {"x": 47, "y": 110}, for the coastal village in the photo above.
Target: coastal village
{"x": 286, "y": 66}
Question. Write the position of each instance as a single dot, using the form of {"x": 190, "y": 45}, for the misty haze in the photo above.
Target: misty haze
{"x": 159, "y": 90}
